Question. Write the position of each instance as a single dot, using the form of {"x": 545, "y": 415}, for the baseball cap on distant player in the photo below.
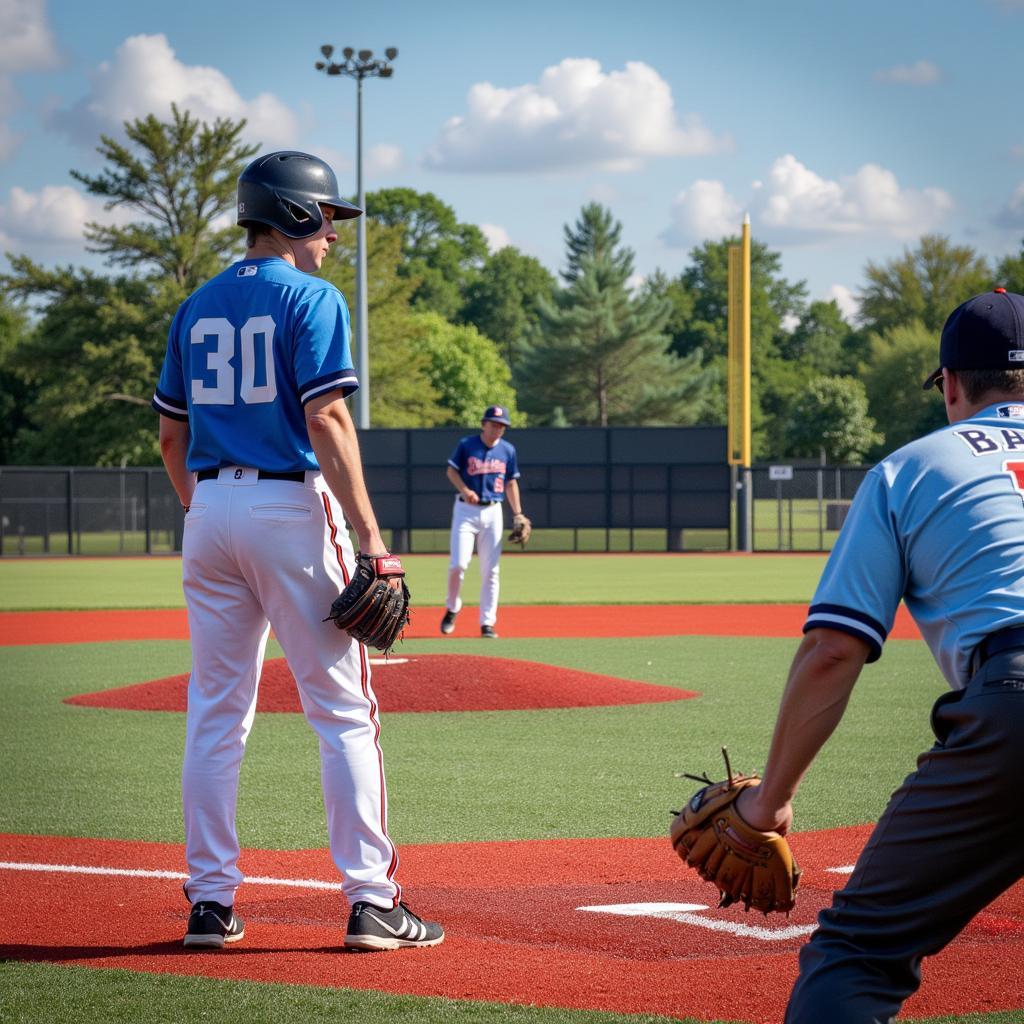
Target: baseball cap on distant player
{"x": 497, "y": 413}
{"x": 983, "y": 333}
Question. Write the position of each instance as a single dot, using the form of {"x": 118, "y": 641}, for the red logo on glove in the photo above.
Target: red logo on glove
{"x": 389, "y": 565}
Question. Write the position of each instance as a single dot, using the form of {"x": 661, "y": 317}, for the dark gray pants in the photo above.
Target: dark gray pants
{"x": 948, "y": 844}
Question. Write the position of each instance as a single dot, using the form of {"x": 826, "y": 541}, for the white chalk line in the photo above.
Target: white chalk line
{"x": 84, "y": 869}
{"x": 684, "y": 914}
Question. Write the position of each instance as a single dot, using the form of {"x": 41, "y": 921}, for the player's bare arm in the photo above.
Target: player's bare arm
{"x": 333, "y": 436}
{"x": 457, "y": 482}
{"x": 515, "y": 502}
{"x": 825, "y": 668}
{"x": 174, "y": 438}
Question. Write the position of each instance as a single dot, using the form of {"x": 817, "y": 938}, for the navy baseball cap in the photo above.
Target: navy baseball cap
{"x": 983, "y": 333}
{"x": 497, "y": 413}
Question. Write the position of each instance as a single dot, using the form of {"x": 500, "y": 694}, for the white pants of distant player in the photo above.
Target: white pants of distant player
{"x": 258, "y": 553}
{"x": 480, "y": 526}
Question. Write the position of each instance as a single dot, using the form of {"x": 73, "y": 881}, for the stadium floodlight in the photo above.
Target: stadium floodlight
{"x": 364, "y": 67}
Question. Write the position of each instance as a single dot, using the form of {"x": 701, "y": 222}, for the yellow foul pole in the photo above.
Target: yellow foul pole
{"x": 739, "y": 397}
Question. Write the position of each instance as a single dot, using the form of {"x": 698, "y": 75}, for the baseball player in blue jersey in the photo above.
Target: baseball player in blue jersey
{"x": 938, "y": 524}
{"x": 483, "y": 471}
{"x": 262, "y": 452}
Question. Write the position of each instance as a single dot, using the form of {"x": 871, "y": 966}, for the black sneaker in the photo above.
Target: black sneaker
{"x": 372, "y": 928}
{"x": 448, "y": 623}
{"x": 210, "y": 925}
{"x": 487, "y": 632}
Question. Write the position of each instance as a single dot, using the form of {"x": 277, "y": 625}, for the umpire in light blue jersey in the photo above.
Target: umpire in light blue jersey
{"x": 938, "y": 524}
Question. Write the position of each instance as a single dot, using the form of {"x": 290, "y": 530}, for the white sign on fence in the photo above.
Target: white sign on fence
{"x": 780, "y": 472}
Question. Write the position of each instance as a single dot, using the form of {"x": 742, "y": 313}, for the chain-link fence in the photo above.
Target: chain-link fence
{"x": 72, "y": 511}
{"x": 603, "y": 504}
{"x": 802, "y": 508}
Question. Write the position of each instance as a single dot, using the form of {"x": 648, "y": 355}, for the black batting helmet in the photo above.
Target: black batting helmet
{"x": 283, "y": 190}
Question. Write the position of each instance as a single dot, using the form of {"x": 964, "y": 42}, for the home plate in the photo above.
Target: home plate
{"x": 688, "y": 913}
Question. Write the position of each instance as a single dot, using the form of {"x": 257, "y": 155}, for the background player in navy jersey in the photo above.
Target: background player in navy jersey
{"x": 483, "y": 470}
{"x": 262, "y": 452}
{"x": 940, "y": 525}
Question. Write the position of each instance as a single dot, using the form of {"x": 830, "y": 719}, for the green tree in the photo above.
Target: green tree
{"x": 94, "y": 355}
{"x": 401, "y": 390}
{"x": 900, "y": 359}
{"x": 824, "y": 342}
{"x": 503, "y": 302}
{"x": 90, "y": 365}
{"x": 1010, "y": 272}
{"x": 832, "y": 416}
{"x": 180, "y": 176}
{"x": 603, "y": 356}
{"x": 443, "y": 255}
{"x": 924, "y": 284}
{"x": 465, "y": 368}
{"x": 15, "y": 392}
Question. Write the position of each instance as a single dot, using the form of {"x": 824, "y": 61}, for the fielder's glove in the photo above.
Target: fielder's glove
{"x": 748, "y": 866}
{"x": 521, "y": 530}
{"x": 368, "y": 609}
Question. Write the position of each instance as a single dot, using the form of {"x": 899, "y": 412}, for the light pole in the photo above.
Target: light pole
{"x": 359, "y": 66}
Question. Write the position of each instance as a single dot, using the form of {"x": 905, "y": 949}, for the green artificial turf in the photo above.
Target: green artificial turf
{"x": 75, "y": 995}
{"x": 530, "y": 578}
{"x": 573, "y": 772}
{"x": 32, "y": 993}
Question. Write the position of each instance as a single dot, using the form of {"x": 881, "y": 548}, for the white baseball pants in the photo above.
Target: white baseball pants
{"x": 256, "y": 554}
{"x": 480, "y": 526}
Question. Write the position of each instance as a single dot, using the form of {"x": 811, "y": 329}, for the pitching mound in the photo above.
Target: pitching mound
{"x": 426, "y": 682}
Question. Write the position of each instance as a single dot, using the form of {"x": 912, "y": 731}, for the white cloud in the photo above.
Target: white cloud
{"x": 52, "y": 219}
{"x": 497, "y": 237}
{"x": 845, "y": 300}
{"x": 704, "y": 210}
{"x": 575, "y": 116}
{"x": 1012, "y": 214}
{"x": 26, "y": 44}
{"x": 922, "y": 72}
{"x": 383, "y": 159}
{"x": 145, "y": 77}
{"x": 796, "y": 205}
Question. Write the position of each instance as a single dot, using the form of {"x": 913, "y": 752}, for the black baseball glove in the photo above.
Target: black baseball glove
{"x": 370, "y": 610}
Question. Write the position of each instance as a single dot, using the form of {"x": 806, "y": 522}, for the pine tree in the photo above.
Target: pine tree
{"x": 602, "y": 355}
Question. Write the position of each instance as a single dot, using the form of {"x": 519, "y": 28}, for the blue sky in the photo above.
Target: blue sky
{"x": 846, "y": 129}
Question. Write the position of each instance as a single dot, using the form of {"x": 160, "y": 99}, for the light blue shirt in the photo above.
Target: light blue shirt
{"x": 940, "y": 525}
{"x": 245, "y": 353}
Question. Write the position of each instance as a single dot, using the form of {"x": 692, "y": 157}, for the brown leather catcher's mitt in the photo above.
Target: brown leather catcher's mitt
{"x": 748, "y": 866}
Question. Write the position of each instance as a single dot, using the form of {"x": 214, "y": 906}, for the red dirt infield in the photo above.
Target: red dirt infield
{"x": 516, "y": 928}
{"x": 423, "y": 682}
{"x": 517, "y": 622}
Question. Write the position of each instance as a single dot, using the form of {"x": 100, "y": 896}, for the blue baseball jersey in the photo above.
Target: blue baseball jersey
{"x": 485, "y": 470}
{"x": 245, "y": 353}
{"x": 940, "y": 525}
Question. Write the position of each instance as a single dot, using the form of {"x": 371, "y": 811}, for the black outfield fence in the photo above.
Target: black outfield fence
{"x": 589, "y": 488}
{"x": 586, "y": 489}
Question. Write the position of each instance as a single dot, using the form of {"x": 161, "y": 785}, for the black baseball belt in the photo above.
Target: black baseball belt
{"x": 996, "y": 643}
{"x": 482, "y": 504}
{"x": 297, "y": 477}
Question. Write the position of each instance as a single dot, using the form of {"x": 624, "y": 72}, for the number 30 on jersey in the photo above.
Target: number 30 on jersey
{"x": 256, "y": 339}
